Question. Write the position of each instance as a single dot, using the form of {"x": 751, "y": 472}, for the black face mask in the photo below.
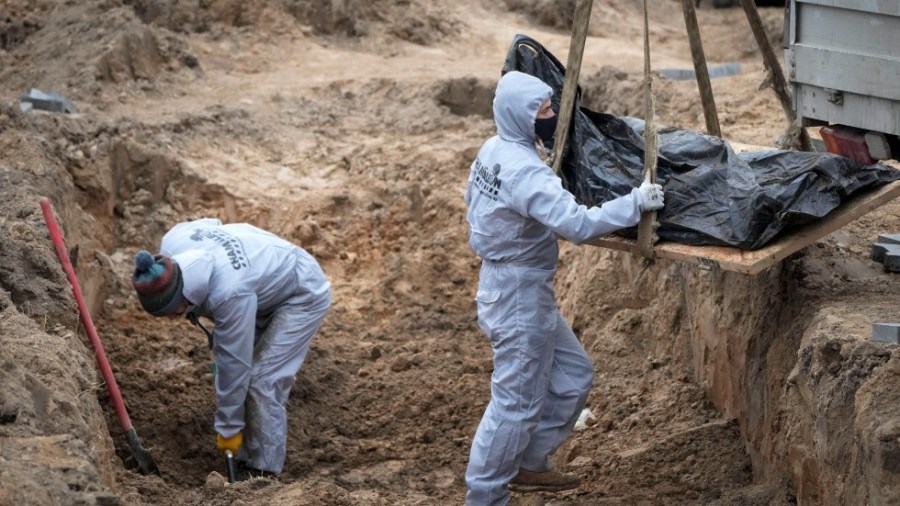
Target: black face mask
{"x": 544, "y": 128}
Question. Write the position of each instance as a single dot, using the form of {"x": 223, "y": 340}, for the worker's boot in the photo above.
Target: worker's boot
{"x": 543, "y": 481}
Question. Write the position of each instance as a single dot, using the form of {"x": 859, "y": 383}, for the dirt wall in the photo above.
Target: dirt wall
{"x": 838, "y": 426}
{"x": 56, "y": 447}
{"x": 348, "y": 127}
{"x": 813, "y": 396}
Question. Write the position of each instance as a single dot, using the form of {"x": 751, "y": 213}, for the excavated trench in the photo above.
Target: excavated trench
{"x": 711, "y": 387}
{"x": 354, "y": 419}
{"x": 698, "y": 370}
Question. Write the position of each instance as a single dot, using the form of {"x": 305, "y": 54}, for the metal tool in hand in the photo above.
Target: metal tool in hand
{"x": 230, "y": 466}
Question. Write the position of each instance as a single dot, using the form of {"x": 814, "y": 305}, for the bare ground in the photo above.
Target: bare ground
{"x": 348, "y": 128}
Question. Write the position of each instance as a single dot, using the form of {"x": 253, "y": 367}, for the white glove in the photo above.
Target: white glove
{"x": 651, "y": 196}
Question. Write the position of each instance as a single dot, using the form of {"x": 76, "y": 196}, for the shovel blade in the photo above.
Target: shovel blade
{"x": 145, "y": 462}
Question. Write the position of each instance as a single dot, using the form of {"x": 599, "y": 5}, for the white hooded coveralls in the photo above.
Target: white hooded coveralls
{"x": 542, "y": 375}
{"x": 267, "y": 299}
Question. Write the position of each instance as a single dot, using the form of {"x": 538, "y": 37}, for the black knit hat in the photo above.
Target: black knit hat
{"x": 158, "y": 283}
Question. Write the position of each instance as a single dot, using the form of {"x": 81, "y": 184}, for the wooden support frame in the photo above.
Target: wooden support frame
{"x": 647, "y": 226}
{"x": 776, "y": 78}
{"x": 715, "y": 257}
{"x": 710, "y": 115}
{"x": 570, "y": 85}
{"x": 756, "y": 261}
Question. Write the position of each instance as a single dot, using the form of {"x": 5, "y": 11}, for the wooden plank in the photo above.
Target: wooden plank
{"x": 646, "y": 236}
{"x": 570, "y": 84}
{"x": 754, "y": 262}
{"x": 700, "y": 69}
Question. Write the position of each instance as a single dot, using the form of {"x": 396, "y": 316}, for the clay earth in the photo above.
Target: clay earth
{"x": 348, "y": 127}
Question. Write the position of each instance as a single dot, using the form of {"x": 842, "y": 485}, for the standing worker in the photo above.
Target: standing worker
{"x": 267, "y": 299}
{"x": 516, "y": 208}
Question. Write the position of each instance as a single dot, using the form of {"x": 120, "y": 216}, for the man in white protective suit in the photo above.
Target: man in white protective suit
{"x": 267, "y": 299}
{"x": 516, "y": 208}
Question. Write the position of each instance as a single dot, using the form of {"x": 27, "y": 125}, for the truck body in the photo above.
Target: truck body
{"x": 842, "y": 62}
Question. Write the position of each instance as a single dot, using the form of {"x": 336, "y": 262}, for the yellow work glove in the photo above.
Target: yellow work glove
{"x": 232, "y": 443}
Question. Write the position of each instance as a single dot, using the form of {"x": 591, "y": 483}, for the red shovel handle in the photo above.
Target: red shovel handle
{"x": 63, "y": 255}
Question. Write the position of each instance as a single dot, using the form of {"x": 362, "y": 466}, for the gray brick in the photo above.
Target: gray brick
{"x": 54, "y": 102}
{"x": 892, "y": 261}
{"x": 882, "y": 251}
{"x": 879, "y": 251}
{"x": 724, "y": 70}
{"x": 886, "y": 332}
{"x": 889, "y": 238}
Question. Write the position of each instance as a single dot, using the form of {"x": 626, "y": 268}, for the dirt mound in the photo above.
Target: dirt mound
{"x": 721, "y": 46}
{"x": 321, "y": 123}
{"x": 739, "y": 101}
{"x": 197, "y": 16}
{"x": 625, "y": 19}
{"x": 549, "y": 13}
{"x": 415, "y": 21}
{"x": 684, "y": 455}
{"x": 620, "y": 93}
{"x": 466, "y": 96}
{"x": 113, "y": 47}
{"x": 18, "y": 20}
{"x": 613, "y": 18}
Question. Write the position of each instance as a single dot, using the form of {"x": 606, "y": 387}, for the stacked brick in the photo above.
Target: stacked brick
{"x": 886, "y": 250}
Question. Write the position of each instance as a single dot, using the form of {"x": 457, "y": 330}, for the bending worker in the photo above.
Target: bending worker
{"x": 542, "y": 375}
{"x": 267, "y": 299}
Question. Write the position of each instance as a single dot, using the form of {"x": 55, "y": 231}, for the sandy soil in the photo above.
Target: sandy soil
{"x": 348, "y": 127}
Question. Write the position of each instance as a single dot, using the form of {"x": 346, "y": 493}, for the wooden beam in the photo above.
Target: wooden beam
{"x": 648, "y": 224}
{"x": 570, "y": 85}
{"x": 754, "y": 262}
{"x": 700, "y": 69}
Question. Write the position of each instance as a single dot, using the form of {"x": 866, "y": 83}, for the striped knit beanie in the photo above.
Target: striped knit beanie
{"x": 158, "y": 283}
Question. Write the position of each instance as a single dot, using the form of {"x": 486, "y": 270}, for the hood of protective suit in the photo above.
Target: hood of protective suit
{"x": 196, "y": 269}
{"x": 516, "y": 103}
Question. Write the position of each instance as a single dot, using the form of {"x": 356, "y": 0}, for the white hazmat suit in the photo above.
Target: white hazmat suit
{"x": 267, "y": 299}
{"x": 516, "y": 208}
